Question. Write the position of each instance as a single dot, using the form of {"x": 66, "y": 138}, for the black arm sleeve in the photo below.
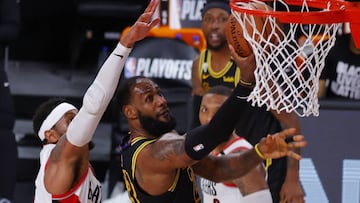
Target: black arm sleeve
{"x": 202, "y": 140}
{"x": 196, "y": 107}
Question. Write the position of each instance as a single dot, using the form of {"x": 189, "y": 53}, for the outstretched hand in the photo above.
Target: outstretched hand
{"x": 247, "y": 65}
{"x": 142, "y": 26}
{"x": 275, "y": 146}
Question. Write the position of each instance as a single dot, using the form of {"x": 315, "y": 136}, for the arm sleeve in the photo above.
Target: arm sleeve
{"x": 97, "y": 98}
{"x": 202, "y": 140}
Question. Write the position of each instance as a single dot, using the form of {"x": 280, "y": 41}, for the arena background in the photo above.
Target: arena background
{"x": 58, "y": 49}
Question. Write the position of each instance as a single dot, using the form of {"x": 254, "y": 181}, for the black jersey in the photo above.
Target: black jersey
{"x": 342, "y": 71}
{"x": 182, "y": 190}
{"x": 229, "y": 76}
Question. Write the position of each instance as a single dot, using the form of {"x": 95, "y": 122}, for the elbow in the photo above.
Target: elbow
{"x": 94, "y": 101}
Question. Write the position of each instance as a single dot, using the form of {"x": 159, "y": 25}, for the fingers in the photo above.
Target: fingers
{"x": 297, "y": 144}
{"x": 293, "y": 155}
{"x": 149, "y": 12}
{"x": 152, "y": 6}
{"x": 233, "y": 53}
{"x": 286, "y": 133}
{"x": 154, "y": 22}
{"x": 246, "y": 64}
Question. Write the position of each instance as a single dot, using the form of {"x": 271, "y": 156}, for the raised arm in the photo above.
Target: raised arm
{"x": 69, "y": 159}
{"x": 99, "y": 94}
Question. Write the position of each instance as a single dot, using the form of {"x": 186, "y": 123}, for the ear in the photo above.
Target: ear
{"x": 50, "y": 136}
{"x": 130, "y": 112}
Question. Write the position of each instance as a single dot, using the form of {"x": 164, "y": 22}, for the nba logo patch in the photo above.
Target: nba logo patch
{"x": 130, "y": 67}
{"x": 198, "y": 147}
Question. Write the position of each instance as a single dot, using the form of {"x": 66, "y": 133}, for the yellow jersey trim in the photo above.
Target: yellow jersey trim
{"x": 137, "y": 151}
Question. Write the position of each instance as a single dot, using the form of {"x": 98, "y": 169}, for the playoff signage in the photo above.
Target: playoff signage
{"x": 162, "y": 58}
{"x": 185, "y": 13}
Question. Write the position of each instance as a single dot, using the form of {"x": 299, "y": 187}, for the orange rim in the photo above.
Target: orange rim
{"x": 339, "y": 11}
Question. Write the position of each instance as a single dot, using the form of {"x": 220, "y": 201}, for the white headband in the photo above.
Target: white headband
{"x": 54, "y": 116}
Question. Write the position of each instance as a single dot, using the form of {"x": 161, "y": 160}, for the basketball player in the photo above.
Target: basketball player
{"x": 250, "y": 188}
{"x": 65, "y": 173}
{"x": 158, "y": 164}
{"x": 215, "y": 66}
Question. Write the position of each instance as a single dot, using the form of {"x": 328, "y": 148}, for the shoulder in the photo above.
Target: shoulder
{"x": 170, "y": 137}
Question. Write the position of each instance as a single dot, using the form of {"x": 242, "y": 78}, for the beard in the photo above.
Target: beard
{"x": 217, "y": 47}
{"x": 156, "y": 127}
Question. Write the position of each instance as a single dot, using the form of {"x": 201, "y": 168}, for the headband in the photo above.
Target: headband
{"x": 54, "y": 116}
{"x": 216, "y": 4}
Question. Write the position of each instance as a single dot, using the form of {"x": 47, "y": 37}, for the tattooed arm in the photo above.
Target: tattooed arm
{"x": 159, "y": 161}
{"x": 227, "y": 168}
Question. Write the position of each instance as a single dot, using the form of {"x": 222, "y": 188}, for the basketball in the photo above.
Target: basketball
{"x": 234, "y": 30}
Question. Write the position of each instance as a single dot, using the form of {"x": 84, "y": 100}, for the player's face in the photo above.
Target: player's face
{"x": 62, "y": 125}
{"x": 213, "y": 27}
{"x": 153, "y": 112}
{"x": 210, "y": 104}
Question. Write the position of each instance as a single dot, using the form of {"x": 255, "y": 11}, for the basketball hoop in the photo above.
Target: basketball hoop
{"x": 287, "y": 73}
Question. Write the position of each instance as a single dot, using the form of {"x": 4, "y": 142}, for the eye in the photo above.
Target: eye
{"x": 149, "y": 98}
{"x": 209, "y": 19}
{"x": 203, "y": 109}
{"x": 223, "y": 20}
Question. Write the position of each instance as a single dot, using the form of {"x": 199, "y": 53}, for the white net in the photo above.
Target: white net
{"x": 288, "y": 71}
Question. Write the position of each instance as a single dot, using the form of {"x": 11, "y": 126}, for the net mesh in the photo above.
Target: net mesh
{"x": 288, "y": 69}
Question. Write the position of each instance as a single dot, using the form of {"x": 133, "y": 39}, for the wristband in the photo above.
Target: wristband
{"x": 258, "y": 151}
{"x": 268, "y": 160}
{"x": 246, "y": 84}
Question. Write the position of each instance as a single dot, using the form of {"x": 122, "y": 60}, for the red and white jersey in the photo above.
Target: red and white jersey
{"x": 88, "y": 190}
{"x": 224, "y": 192}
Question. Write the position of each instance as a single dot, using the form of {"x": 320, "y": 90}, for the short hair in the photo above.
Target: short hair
{"x": 222, "y": 4}
{"x": 42, "y": 112}
{"x": 220, "y": 90}
{"x": 123, "y": 94}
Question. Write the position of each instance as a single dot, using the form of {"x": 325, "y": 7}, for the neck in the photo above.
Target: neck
{"x": 138, "y": 133}
{"x": 223, "y": 51}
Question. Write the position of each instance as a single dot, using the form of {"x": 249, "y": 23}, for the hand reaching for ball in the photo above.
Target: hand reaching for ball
{"x": 247, "y": 65}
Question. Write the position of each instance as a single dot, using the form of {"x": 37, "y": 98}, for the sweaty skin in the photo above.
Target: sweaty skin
{"x": 143, "y": 86}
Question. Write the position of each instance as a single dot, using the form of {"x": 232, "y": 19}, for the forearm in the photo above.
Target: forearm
{"x": 291, "y": 120}
{"x": 97, "y": 98}
{"x": 202, "y": 140}
{"x": 228, "y": 167}
{"x": 293, "y": 167}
